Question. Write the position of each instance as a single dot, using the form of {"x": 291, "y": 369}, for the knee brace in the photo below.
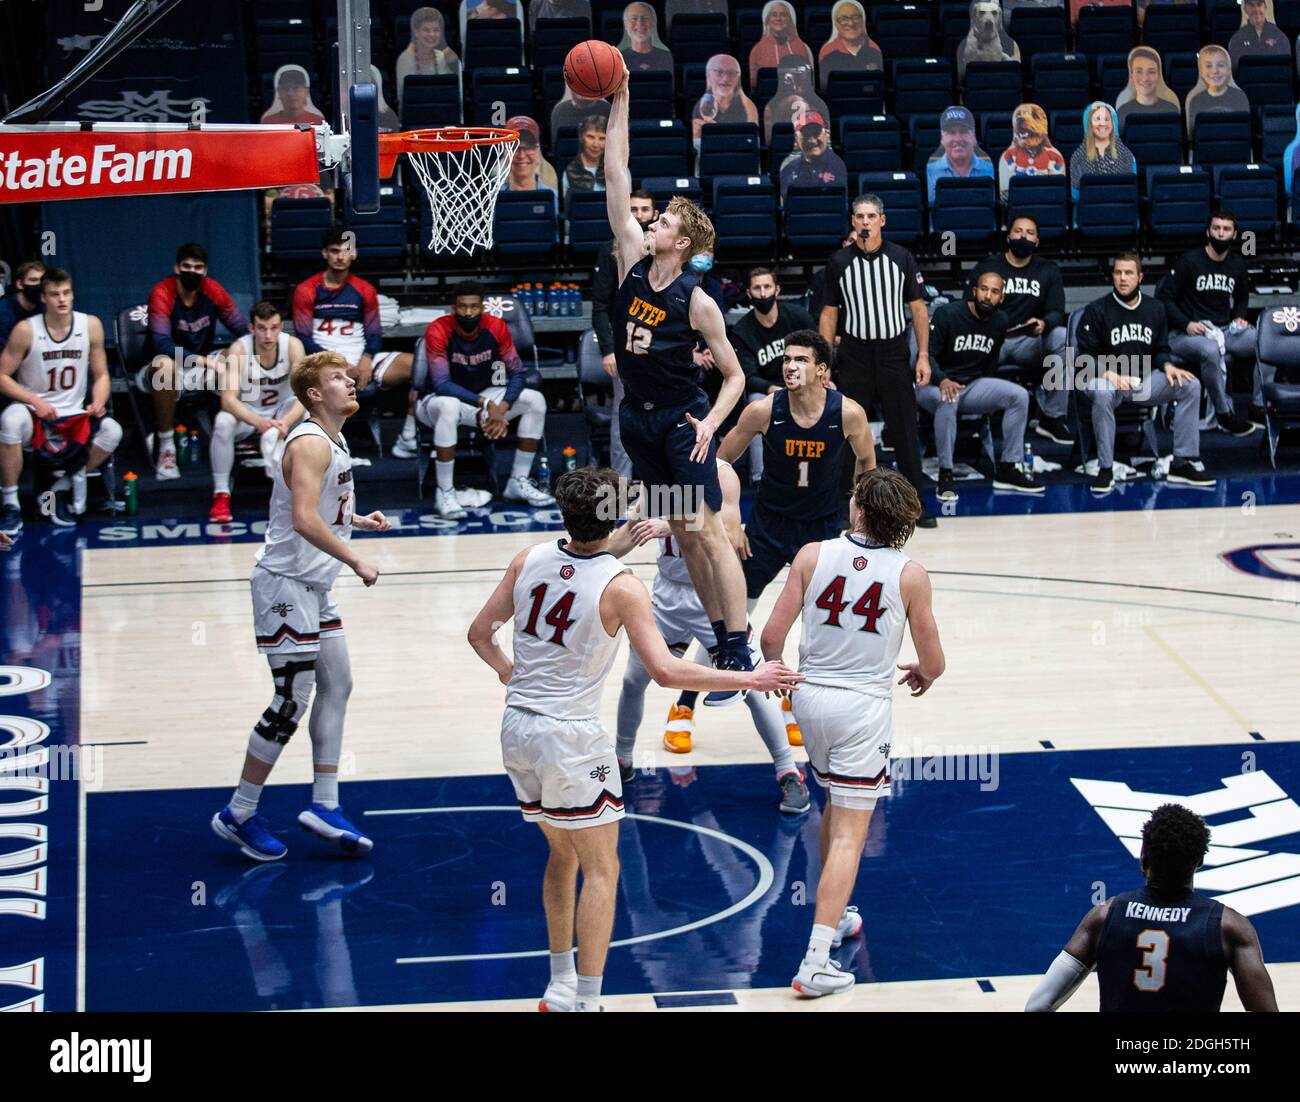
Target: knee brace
{"x": 294, "y": 678}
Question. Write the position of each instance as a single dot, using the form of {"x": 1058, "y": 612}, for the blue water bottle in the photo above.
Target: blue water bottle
{"x": 575, "y": 301}
{"x": 1029, "y": 458}
{"x": 553, "y": 301}
{"x": 543, "y": 472}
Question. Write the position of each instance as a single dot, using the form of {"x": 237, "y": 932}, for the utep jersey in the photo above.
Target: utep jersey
{"x": 1161, "y": 954}
{"x": 344, "y": 320}
{"x": 285, "y": 551}
{"x": 58, "y": 370}
{"x": 264, "y": 388}
{"x": 562, "y": 652}
{"x": 653, "y": 338}
{"x": 853, "y": 617}
{"x": 801, "y": 467}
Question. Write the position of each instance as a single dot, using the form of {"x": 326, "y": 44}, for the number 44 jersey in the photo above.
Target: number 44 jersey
{"x": 562, "y": 652}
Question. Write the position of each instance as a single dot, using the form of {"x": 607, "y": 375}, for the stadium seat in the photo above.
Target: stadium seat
{"x": 1278, "y": 345}
{"x": 1221, "y": 137}
{"x": 694, "y": 81}
{"x": 903, "y": 30}
{"x": 1225, "y": 21}
{"x": 696, "y": 36}
{"x": 1267, "y": 81}
{"x": 553, "y": 90}
{"x": 1154, "y": 139}
{"x": 925, "y": 138}
{"x": 526, "y": 223}
{"x": 923, "y": 86}
{"x": 855, "y": 93}
{"x": 381, "y": 236}
{"x": 1178, "y": 202}
{"x": 815, "y": 218}
{"x": 778, "y": 149}
{"x": 995, "y": 132}
{"x": 651, "y": 95}
{"x": 870, "y": 143}
{"x": 904, "y": 200}
{"x": 993, "y": 86}
{"x": 429, "y": 102}
{"x": 297, "y": 227}
{"x": 954, "y": 25}
{"x": 1250, "y": 192}
{"x": 490, "y": 87}
{"x": 1112, "y": 74}
{"x": 131, "y": 338}
{"x": 818, "y": 26}
{"x": 1047, "y": 198}
{"x": 663, "y": 188}
{"x": 966, "y": 208}
{"x": 1277, "y": 128}
{"x": 552, "y": 39}
{"x": 283, "y": 40}
{"x": 1038, "y": 30}
{"x": 659, "y": 147}
{"x": 596, "y": 391}
{"x": 1181, "y": 73}
{"x": 1170, "y": 28}
{"x": 728, "y": 149}
{"x": 493, "y": 44}
{"x": 1062, "y": 82}
{"x": 520, "y": 324}
{"x": 1104, "y": 30}
{"x": 763, "y": 92}
{"x": 1066, "y": 128}
{"x": 1107, "y": 207}
{"x": 744, "y": 215}
{"x": 609, "y": 25}
{"x": 564, "y": 146}
{"x": 588, "y": 222}
{"x": 749, "y": 29}
{"x": 1288, "y": 16}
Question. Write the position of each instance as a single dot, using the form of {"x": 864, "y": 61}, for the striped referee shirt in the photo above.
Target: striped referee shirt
{"x": 871, "y": 290}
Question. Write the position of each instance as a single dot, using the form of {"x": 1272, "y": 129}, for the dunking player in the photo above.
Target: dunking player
{"x": 569, "y": 600}
{"x": 666, "y": 424}
{"x": 308, "y": 537}
{"x": 680, "y": 618}
{"x": 1162, "y": 948}
{"x": 855, "y": 593}
{"x": 255, "y": 398}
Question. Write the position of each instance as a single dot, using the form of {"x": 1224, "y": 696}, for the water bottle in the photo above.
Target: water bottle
{"x": 553, "y": 301}
{"x": 575, "y": 301}
{"x": 181, "y": 441}
{"x": 534, "y": 298}
{"x": 195, "y": 453}
{"x": 543, "y": 472}
{"x": 130, "y": 493}
{"x": 570, "y": 459}
{"x": 1029, "y": 458}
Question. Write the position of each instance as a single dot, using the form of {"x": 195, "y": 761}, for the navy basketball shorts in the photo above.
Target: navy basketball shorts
{"x": 659, "y": 441}
{"x": 774, "y": 541}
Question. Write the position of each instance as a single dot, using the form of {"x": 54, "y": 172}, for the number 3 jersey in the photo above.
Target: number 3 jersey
{"x": 58, "y": 370}
{"x": 562, "y": 653}
{"x": 285, "y": 551}
{"x": 853, "y": 617}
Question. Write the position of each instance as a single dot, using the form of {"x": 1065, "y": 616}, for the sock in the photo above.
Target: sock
{"x": 10, "y": 494}
{"x": 523, "y": 464}
{"x": 720, "y": 634}
{"x": 738, "y": 643}
{"x": 819, "y": 945}
{"x": 687, "y": 699}
{"x": 408, "y": 426}
{"x": 243, "y": 804}
{"x": 563, "y": 969}
{"x": 444, "y": 473}
{"x": 325, "y": 790}
{"x": 588, "y": 993}
{"x": 79, "y": 492}
{"x": 221, "y": 483}
{"x": 167, "y": 443}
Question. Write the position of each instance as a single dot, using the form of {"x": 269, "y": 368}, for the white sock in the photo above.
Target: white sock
{"x": 221, "y": 483}
{"x": 588, "y": 993}
{"x": 325, "y": 790}
{"x": 444, "y": 472}
{"x": 523, "y": 464}
{"x": 819, "y": 944}
{"x": 79, "y": 492}
{"x": 563, "y": 969}
{"x": 10, "y": 494}
{"x": 243, "y": 804}
{"x": 167, "y": 444}
{"x": 408, "y": 426}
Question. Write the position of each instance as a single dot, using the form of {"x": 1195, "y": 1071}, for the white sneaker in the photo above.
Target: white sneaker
{"x": 815, "y": 980}
{"x": 447, "y": 506}
{"x": 405, "y": 447}
{"x": 527, "y": 491}
{"x": 166, "y": 466}
{"x": 850, "y": 925}
{"x": 473, "y": 499}
{"x": 560, "y": 998}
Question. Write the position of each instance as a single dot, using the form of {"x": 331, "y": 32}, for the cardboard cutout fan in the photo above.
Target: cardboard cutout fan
{"x": 529, "y": 170}
{"x": 1216, "y": 90}
{"x": 723, "y": 101}
{"x": 293, "y": 103}
{"x": 958, "y": 155}
{"x": 641, "y": 46}
{"x": 849, "y": 46}
{"x": 1031, "y": 152}
{"x": 1291, "y": 158}
{"x": 813, "y": 161}
{"x": 1146, "y": 92}
{"x": 572, "y": 109}
{"x": 780, "y": 39}
{"x": 427, "y": 54}
{"x": 795, "y": 94}
{"x": 1259, "y": 36}
{"x": 987, "y": 39}
{"x": 1101, "y": 153}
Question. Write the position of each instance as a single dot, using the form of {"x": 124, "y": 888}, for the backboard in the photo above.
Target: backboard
{"x": 358, "y": 108}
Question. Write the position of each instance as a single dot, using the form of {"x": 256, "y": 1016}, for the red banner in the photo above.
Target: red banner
{"x": 38, "y": 166}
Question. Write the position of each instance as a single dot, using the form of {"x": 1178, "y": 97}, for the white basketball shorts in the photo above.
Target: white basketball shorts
{"x": 564, "y": 770}
{"x": 289, "y": 616}
{"x": 679, "y": 616}
{"x": 846, "y": 734}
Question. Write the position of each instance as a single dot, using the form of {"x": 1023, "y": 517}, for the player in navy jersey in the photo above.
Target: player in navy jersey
{"x": 1163, "y": 948}
{"x": 667, "y": 427}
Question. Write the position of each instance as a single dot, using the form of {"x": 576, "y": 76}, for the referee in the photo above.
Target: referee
{"x": 875, "y": 283}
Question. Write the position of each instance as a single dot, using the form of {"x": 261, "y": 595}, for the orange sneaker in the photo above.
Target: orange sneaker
{"x": 220, "y": 512}
{"x": 680, "y": 727}
{"x": 792, "y": 733}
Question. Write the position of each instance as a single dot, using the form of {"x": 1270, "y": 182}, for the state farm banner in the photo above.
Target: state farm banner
{"x": 42, "y": 164}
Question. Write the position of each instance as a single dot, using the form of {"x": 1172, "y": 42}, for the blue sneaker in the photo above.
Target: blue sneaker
{"x": 732, "y": 660}
{"x": 251, "y": 836}
{"x": 332, "y": 825}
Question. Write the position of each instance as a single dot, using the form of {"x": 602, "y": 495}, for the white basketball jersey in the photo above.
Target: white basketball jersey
{"x": 58, "y": 370}
{"x": 285, "y": 551}
{"x": 347, "y": 338}
{"x": 265, "y": 389}
{"x": 672, "y": 567}
{"x": 853, "y": 617}
{"x": 562, "y": 652}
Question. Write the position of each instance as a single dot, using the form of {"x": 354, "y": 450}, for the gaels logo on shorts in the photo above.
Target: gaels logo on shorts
{"x": 860, "y": 563}
{"x": 1280, "y": 561}
{"x": 567, "y": 571}
{"x": 282, "y": 610}
{"x": 599, "y": 773}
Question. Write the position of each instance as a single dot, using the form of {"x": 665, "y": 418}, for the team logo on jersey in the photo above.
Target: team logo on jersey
{"x": 567, "y": 571}
{"x": 1280, "y": 561}
{"x": 599, "y": 773}
{"x": 860, "y": 563}
{"x": 282, "y": 610}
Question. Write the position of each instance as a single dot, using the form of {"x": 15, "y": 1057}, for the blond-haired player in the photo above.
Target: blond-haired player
{"x": 308, "y": 538}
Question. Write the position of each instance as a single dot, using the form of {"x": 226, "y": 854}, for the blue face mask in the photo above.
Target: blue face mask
{"x": 701, "y": 263}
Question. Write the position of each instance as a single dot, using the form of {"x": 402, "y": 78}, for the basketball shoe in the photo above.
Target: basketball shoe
{"x": 251, "y": 836}
{"x": 220, "y": 511}
{"x": 850, "y": 925}
{"x": 332, "y": 825}
{"x": 793, "y": 735}
{"x": 561, "y": 997}
{"x": 740, "y": 660}
{"x": 679, "y": 729}
{"x": 815, "y": 980}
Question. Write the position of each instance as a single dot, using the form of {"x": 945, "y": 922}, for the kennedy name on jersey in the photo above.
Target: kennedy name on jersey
{"x": 1147, "y": 913}
{"x": 972, "y": 342}
{"x": 1215, "y": 281}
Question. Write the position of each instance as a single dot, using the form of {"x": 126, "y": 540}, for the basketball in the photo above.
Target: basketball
{"x": 594, "y": 69}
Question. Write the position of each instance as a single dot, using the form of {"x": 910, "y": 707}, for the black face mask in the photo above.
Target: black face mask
{"x": 1223, "y": 248}
{"x": 190, "y": 280}
{"x": 764, "y": 304}
{"x": 983, "y": 309}
{"x": 466, "y": 325}
{"x": 1130, "y": 298}
{"x": 1021, "y": 247}
{"x": 31, "y": 296}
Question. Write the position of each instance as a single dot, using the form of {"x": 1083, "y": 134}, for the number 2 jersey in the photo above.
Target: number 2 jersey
{"x": 653, "y": 339}
{"x": 265, "y": 389}
{"x": 853, "y": 617}
{"x": 562, "y": 653}
{"x": 1162, "y": 953}
{"x": 285, "y": 551}
{"x": 58, "y": 370}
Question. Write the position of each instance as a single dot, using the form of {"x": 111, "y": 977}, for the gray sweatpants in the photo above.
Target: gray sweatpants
{"x": 618, "y": 458}
{"x": 984, "y": 395}
{"x": 1201, "y": 355}
{"x": 1187, "y": 414}
{"x": 1029, "y": 352}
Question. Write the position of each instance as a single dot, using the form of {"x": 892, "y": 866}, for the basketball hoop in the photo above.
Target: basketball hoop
{"x": 462, "y": 170}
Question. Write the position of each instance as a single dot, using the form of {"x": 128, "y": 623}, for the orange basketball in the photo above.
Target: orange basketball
{"x": 593, "y": 69}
